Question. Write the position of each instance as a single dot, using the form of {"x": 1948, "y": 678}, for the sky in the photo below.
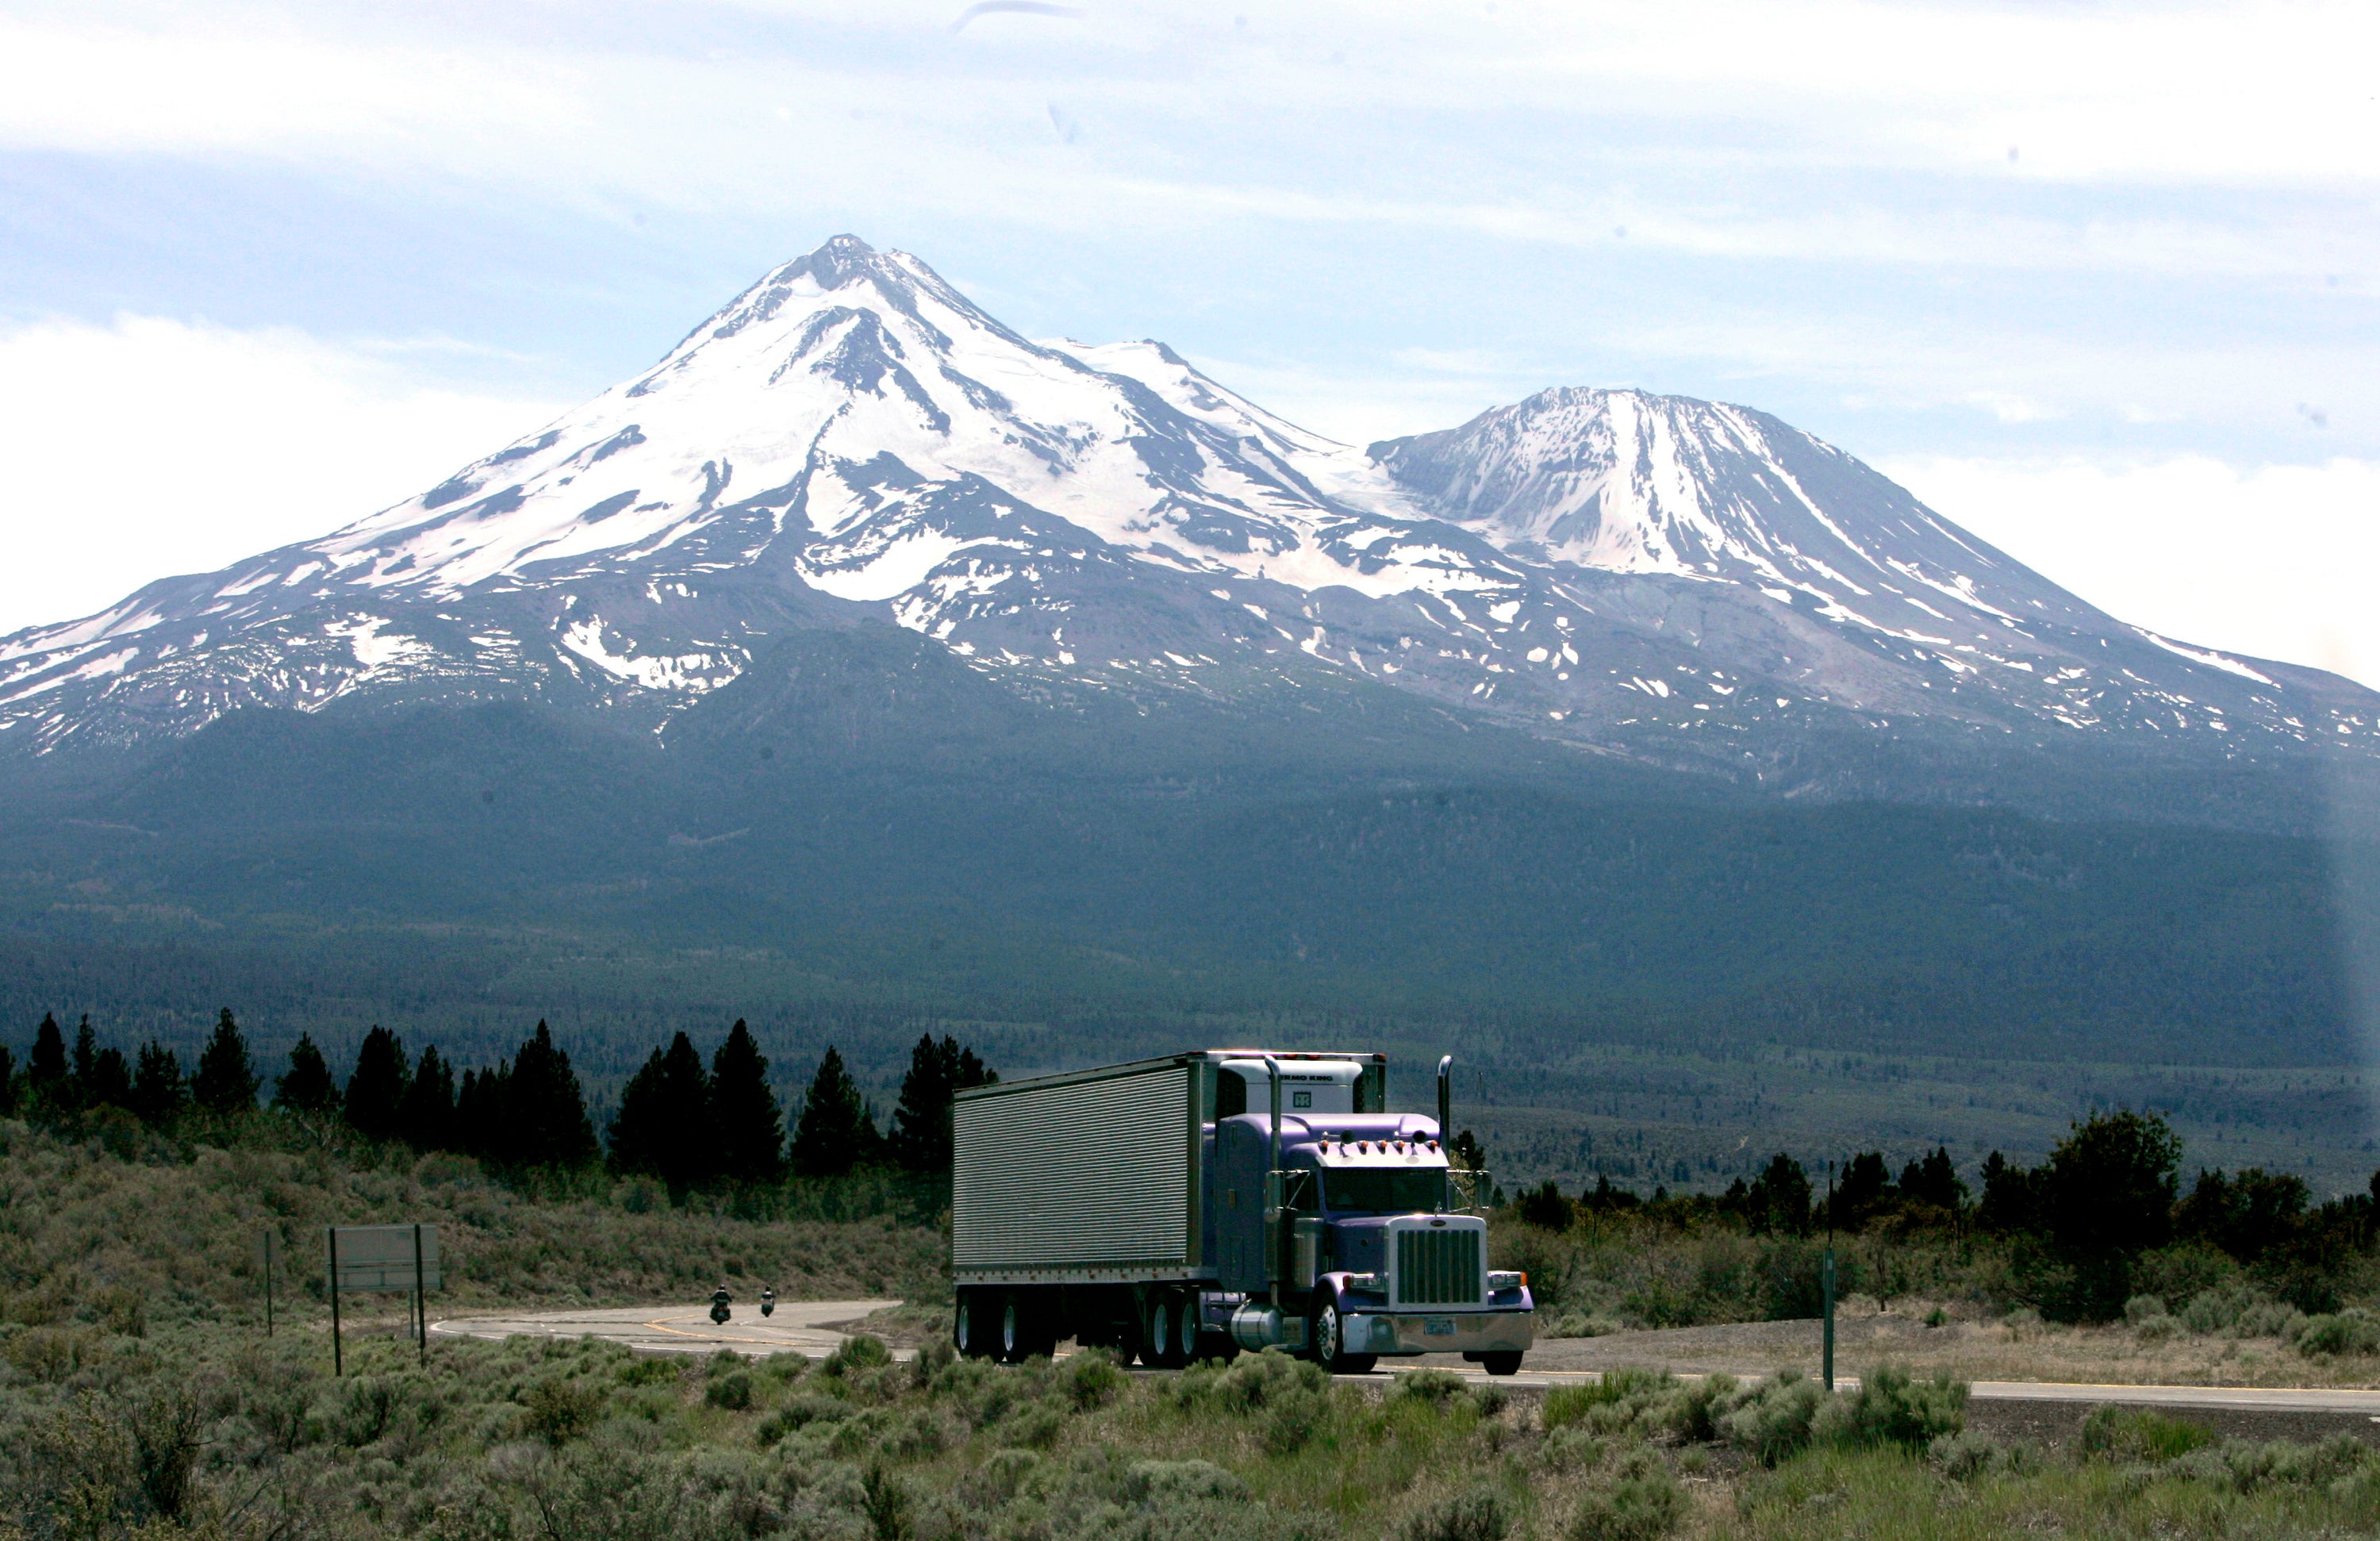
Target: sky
{"x": 2099, "y": 281}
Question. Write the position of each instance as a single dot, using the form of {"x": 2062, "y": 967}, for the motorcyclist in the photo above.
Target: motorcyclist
{"x": 768, "y": 1301}
{"x": 719, "y": 1299}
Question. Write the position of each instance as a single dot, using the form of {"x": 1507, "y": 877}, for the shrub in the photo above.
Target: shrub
{"x": 732, "y": 1392}
{"x": 1164, "y": 1483}
{"x": 2349, "y": 1332}
{"x": 1435, "y": 1387}
{"x": 2139, "y": 1435}
{"x": 1295, "y": 1417}
{"x": 1774, "y": 1422}
{"x": 1967, "y": 1455}
{"x": 1092, "y": 1379}
{"x": 1476, "y": 1515}
{"x": 560, "y": 1410}
{"x": 1642, "y": 1504}
{"x": 2144, "y": 1308}
{"x": 2157, "y": 1329}
{"x": 2184, "y": 1271}
{"x": 861, "y": 1351}
{"x": 1891, "y": 1409}
{"x": 1627, "y": 1386}
{"x": 653, "y": 1371}
{"x": 1692, "y": 1412}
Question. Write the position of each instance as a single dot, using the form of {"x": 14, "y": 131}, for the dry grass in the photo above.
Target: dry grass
{"x": 1971, "y": 1349}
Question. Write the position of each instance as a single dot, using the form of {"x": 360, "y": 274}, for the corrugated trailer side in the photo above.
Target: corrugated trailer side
{"x": 1085, "y": 1178}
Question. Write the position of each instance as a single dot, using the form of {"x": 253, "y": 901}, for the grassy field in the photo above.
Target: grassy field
{"x": 140, "y": 1399}
{"x": 207, "y": 1433}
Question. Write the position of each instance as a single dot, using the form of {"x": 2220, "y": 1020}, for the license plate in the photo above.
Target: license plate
{"x": 1438, "y": 1327}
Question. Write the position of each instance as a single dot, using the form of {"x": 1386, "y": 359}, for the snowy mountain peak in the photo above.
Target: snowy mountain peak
{"x": 852, "y": 438}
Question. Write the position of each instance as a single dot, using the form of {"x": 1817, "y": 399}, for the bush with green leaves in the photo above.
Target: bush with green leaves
{"x": 2137, "y": 1435}
{"x": 1889, "y": 1408}
{"x": 1638, "y": 1499}
{"x": 2351, "y": 1331}
{"x": 1479, "y": 1513}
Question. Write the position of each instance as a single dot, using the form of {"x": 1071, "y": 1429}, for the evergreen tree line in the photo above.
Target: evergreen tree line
{"x": 2077, "y": 1225}
{"x": 689, "y": 1125}
{"x": 680, "y": 1120}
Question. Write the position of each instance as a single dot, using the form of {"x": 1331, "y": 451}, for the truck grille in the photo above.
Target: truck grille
{"x": 1438, "y": 1267}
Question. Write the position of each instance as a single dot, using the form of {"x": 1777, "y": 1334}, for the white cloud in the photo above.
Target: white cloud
{"x": 152, "y": 447}
{"x": 2276, "y": 561}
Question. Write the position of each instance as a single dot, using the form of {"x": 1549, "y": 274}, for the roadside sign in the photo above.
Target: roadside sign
{"x": 400, "y": 1258}
{"x": 383, "y": 1256}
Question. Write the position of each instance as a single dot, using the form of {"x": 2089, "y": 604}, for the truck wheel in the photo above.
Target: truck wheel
{"x": 1327, "y": 1334}
{"x": 1015, "y": 1328}
{"x": 1501, "y": 1361}
{"x": 1170, "y": 1331}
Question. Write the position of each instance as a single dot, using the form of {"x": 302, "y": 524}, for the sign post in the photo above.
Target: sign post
{"x": 1827, "y": 1279}
{"x": 267, "y": 1254}
{"x": 402, "y": 1259}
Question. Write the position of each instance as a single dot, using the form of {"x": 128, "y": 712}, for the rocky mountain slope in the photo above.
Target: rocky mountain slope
{"x": 853, "y": 441}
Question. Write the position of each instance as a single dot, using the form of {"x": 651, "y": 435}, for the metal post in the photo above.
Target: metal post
{"x": 1278, "y": 1267}
{"x": 1827, "y": 1278}
{"x": 421, "y": 1317}
{"x": 338, "y": 1357}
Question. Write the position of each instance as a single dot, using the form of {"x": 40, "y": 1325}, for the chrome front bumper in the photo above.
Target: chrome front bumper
{"x": 1444, "y": 1332}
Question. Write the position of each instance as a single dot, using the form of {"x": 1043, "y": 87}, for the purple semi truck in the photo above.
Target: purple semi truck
{"x": 1192, "y": 1207}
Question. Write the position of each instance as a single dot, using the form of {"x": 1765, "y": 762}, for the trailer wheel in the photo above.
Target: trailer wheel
{"x": 971, "y": 1326}
{"x": 1501, "y": 1362}
{"x": 1167, "y": 1346}
{"x": 1015, "y": 1328}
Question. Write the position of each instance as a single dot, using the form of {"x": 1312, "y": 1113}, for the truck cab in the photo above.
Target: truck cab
{"x": 1293, "y": 1211}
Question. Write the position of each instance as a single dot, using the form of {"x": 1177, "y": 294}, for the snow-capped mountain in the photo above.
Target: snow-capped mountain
{"x": 852, "y": 440}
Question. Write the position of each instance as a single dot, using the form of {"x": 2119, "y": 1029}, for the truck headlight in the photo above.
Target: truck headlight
{"x": 1499, "y": 1282}
{"x": 1367, "y": 1282}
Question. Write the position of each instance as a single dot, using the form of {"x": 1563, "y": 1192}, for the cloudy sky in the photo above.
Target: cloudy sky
{"x": 2098, "y": 280}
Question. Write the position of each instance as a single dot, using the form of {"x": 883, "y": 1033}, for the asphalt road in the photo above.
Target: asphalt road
{"x": 811, "y": 1327}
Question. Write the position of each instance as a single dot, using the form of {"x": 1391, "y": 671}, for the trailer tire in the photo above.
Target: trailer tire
{"x": 1166, "y": 1344}
{"x": 1501, "y": 1362}
{"x": 1017, "y": 1338}
{"x": 971, "y": 1325}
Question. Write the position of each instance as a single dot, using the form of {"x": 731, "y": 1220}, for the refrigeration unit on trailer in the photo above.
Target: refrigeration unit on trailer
{"x": 1198, "y": 1205}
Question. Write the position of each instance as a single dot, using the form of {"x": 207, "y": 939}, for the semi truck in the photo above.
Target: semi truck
{"x": 1226, "y": 1199}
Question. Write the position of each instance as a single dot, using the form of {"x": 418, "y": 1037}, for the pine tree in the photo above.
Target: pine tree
{"x": 749, "y": 1127}
{"x": 921, "y": 1120}
{"x": 545, "y": 1111}
{"x": 158, "y": 1092}
{"x": 226, "y": 1081}
{"x": 836, "y": 1131}
{"x": 45, "y": 1071}
{"x": 7, "y": 1080}
{"x": 307, "y": 1087}
{"x": 110, "y": 1082}
{"x": 86, "y": 1061}
{"x": 478, "y": 1111}
{"x": 377, "y": 1088}
{"x": 663, "y": 1128}
{"x": 426, "y": 1118}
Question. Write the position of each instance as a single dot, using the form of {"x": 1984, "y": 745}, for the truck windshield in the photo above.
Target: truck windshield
{"x": 1384, "y": 1192}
